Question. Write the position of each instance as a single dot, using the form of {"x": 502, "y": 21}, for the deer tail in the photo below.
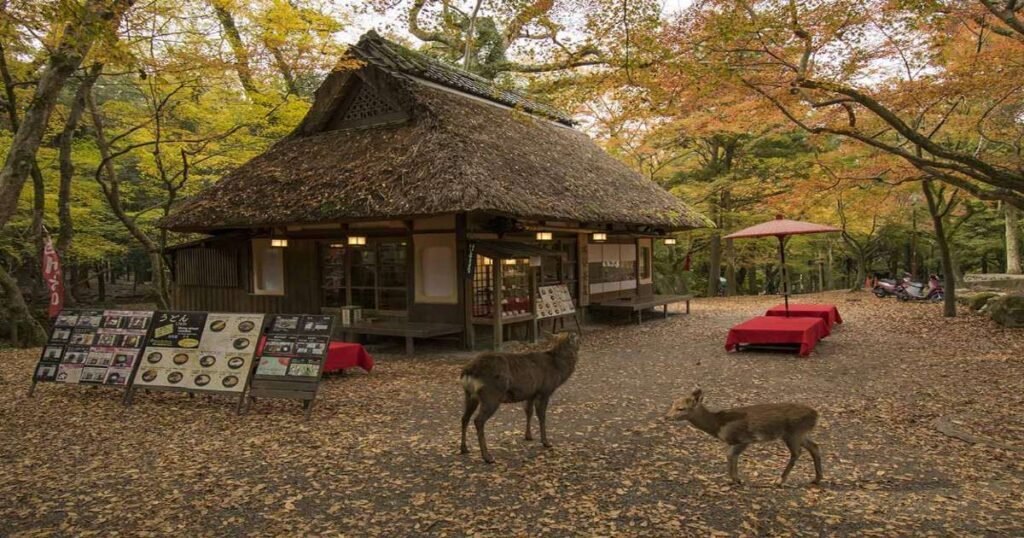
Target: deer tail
{"x": 471, "y": 383}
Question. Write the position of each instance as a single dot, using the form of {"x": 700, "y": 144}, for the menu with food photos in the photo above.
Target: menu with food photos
{"x": 296, "y": 347}
{"x": 290, "y": 364}
{"x": 199, "y": 351}
{"x": 98, "y": 347}
{"x": 554, "y": 301}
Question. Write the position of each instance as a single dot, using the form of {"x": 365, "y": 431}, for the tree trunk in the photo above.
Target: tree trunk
{"x": 829, "y": 279}
{"x": 67, "y": 167}
{"x": 38, "y": 186}
{"x": 95, "y": 17}
{"x": 101, "y": 283}
{"x": 1012, "y": 220}
{"x": 111, "y": 191}
{"x": 21, "y": 328}
{"x": 714, "y": 263}
{"x": 284, "y": 69}
{"x": 949, "y": 280}
{"x": 862, "y": 272}
{"x": 730, "y": 249}
{"x": 238, "y": 50}
{"x": 752, "y": 280}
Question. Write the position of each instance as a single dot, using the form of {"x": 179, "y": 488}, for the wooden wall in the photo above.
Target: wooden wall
{"x": 301, "y": 273}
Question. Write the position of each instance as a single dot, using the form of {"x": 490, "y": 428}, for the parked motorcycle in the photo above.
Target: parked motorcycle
{"x": 916, "y": 291}
{"x": 888, "y": 287}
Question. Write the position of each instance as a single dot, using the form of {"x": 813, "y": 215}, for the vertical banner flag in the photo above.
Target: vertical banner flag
{"x": 53, "y": 276}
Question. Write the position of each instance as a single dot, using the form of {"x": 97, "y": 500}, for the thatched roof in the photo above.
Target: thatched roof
{"x": 453, "y": 154}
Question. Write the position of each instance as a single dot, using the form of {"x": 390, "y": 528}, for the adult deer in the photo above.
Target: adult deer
{"x": 492, "y": 379}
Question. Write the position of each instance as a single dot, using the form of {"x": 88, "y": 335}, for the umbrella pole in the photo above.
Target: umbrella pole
{"x": 785, "y": 281}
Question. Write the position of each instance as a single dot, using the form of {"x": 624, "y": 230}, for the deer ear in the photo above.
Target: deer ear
{"x": 698, "y": 395}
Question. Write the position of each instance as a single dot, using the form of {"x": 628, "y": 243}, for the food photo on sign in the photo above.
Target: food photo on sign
{"x": 207, "y": 352}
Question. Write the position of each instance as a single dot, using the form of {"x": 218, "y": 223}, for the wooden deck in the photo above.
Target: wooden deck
{"x": 639, "y": 304}
{"x": 407, "y": 329}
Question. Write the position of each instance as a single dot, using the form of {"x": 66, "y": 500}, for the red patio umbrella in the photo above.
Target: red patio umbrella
{"x": 780, "y": 228}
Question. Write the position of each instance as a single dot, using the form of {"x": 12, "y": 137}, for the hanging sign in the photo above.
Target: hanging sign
{"x": 97, "y": 347}
{"x": 199, "y": 352}
{"x": 291, "y": 360}
{"x": 470, "y": 260}
{"x": 53, "y": 276}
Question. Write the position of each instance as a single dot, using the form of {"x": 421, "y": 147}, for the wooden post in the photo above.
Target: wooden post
{"x": 470, "y": 297}
{"x": 533, "y": 304}
{"x": 496, "y": 309}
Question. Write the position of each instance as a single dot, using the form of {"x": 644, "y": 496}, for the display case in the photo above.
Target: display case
{"x": 511, "y": 276}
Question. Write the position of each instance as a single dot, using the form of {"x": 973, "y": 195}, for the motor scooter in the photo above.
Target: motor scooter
{"x": 916, "y": 291}
{"x": 888, "y": 287}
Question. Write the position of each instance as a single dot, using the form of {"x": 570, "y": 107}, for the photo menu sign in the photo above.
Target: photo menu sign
{"x": 199, "y": 351}
{"x": 97, "y": 347}
{"x": 296, "y": 346}
{"x": 554, "y": 301}
{"x": 292, "y": 359}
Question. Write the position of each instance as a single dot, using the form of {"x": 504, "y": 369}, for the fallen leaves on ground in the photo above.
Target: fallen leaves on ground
{"x": 380, "y": 456}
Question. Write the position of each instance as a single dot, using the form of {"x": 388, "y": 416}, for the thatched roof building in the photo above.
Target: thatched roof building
{"x": 406, "y": 181}
{"x": 429, "y": 151}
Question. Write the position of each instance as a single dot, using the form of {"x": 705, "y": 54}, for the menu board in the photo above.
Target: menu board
{"x": 554, "y": 301}
{"x": 199, "y": 351}
{"x": 296, "y": 347}
{"x": 292, "y": 359}
{"x": 98, "y": 347}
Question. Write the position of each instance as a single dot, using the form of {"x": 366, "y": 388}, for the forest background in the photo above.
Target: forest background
{"x": 900, "y": 122}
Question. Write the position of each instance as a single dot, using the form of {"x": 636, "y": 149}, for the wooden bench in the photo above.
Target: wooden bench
{"x": 407, "y": 329}
{"x": 639, "y": 304}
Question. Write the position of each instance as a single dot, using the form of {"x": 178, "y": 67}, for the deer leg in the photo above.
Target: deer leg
{"x": 487, "y": 409}
{"x": 471, "y": 405}
{"x": 812, "y": 447}
{"x": 734, "y": 458}
{"x": 528, "y": 407}
{"x": 542, "y": 417}
{"x": 794, "y": 445}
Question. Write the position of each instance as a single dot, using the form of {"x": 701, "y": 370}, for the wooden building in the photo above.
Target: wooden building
{"x": 403, "y": 188}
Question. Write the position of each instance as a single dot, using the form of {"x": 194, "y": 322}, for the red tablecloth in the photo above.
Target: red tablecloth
{"x": 765, "y": 330}
{"x": 340, "y": 356}
{"x": 827, "y": 312}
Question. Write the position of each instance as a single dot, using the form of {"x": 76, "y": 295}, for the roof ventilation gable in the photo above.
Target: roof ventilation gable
{"x": 365, "y": 107}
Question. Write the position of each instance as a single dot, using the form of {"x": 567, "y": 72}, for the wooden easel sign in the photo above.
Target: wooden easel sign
{"x": 292, "y": 358}
{"x": 199, "y": 352}
{"x": 555, "y": 303}
{"x": 93, "y": 347}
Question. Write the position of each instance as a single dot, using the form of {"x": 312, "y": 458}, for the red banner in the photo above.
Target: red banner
{"x": 53, "y": 276}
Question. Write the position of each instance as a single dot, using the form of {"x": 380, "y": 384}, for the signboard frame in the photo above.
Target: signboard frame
{"x": 554, "y": 302}
{"x": 280, "y": 332}
{"x": 117, "y": 325}
{"x": 200, "y": 331}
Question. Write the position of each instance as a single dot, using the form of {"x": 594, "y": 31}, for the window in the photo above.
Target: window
{"x": 207, "y": 267}
{"x": 646, "y": 268}
{"x": 612, "y": 267}
{"x": 267, "y": 268}
{"x": 560, "y": 269}
{"x": 376, "y": 278}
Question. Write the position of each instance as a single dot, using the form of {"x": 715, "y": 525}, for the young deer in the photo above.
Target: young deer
{"x": 743, "y": 426}
{"x": 492, "y": 379}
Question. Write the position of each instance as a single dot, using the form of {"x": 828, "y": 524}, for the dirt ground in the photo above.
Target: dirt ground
{"x": 380, "y": 456}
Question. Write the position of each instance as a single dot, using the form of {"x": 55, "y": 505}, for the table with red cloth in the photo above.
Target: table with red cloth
{"x": 340, "y": 356}
{"x": 773, "y": 330}
{"x": 827, "y": 312}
